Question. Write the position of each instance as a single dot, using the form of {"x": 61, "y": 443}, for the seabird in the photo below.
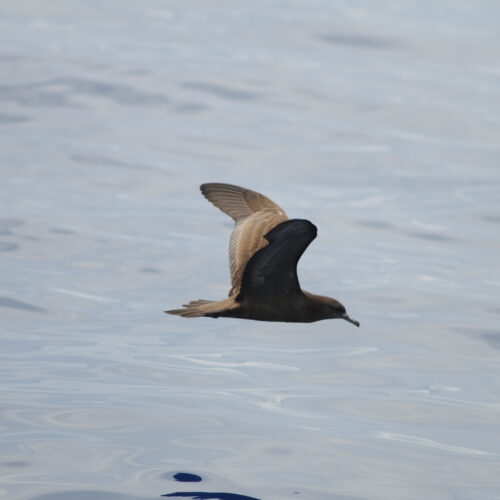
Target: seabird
{"x": 264, "y": 249}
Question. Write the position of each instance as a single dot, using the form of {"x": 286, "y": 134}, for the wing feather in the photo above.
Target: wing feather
{"x": 237, "y": 202}
{"x": 246, "y": 239}
{"x": 254, "y": 215}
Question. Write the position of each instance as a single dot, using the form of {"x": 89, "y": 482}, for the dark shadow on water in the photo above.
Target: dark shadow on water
{"x": 17, "y": 304}
{"x": 190, "y": 107}
{"x": 495, "y": 219}
{"x": 187, "y": 477}
{"x": 7, "y": 246}
{"x": 493, "y": 339}
{"x": 10, "y": 118}
{"x": 58, "y": 92}
{"x": 105, "y": 495}
{"x": 119, "y": 93}
{"x": 199, "y": 495}
{"x": 15, "y": 463}
{"x": 152, "y": 270}
{"x": 490, "y": 336}
{"x": 194, "y": 495}
{"x": 221, "y": 91}
{"x": 431, "y": 236}
{"x": 359, "y": 40}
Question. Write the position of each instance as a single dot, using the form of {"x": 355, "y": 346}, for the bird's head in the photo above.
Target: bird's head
{"x": 334, "y": 309}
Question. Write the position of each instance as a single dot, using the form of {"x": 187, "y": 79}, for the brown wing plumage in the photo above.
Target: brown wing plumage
{"x": 254, "y": 215}
{"x": 237, "y": 202}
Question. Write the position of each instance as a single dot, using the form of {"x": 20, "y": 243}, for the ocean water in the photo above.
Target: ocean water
{"x": 378, "y": 121}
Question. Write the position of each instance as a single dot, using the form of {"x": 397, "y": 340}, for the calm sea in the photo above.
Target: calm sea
{"x": 378, "y": 121}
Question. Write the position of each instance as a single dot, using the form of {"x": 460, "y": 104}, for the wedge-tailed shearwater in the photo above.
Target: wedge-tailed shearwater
{"x": 264, "y": 249}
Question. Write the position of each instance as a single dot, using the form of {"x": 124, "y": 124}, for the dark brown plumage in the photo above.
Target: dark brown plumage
{"x": 264, "y": 250}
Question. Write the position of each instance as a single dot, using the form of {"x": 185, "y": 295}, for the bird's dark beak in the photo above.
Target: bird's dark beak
{"x": 353, "y": 321}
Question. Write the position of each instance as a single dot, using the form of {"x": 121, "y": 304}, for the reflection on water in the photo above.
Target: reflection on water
{"x": 202, "y": 495}
{"x": 194, "y": 478}
{"x": 377, "y": 123}
{"x": 186, "y": 477}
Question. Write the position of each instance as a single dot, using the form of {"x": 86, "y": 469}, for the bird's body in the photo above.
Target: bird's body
{"x": 264, "y": 249}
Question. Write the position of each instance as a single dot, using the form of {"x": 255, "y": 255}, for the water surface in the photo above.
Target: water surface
{"x": 378, "y": 122}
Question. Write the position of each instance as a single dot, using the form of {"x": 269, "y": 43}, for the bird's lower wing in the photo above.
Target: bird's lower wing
{"x": 272, "y": 270}
{"x": 247, "y": 238}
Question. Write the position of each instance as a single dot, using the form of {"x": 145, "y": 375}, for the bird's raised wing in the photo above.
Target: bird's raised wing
{"x": 272, "y": 271}
{"x": 237, "y": 202}
{"x": 254, "y": 215}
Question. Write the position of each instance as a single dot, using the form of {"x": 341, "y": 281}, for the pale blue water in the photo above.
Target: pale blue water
{"x": 378, "y": 121}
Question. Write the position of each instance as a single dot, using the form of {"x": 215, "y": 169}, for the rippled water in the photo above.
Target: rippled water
{"x": 377, "y": 121}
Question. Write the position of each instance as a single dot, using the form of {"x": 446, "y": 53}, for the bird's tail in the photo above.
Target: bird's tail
{"x": 197, "y": 308}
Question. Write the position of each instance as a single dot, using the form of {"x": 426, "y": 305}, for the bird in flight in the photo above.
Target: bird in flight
{"x": 264, "y": 249}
